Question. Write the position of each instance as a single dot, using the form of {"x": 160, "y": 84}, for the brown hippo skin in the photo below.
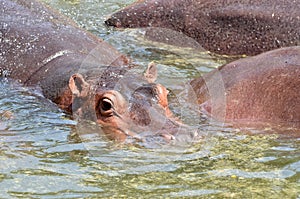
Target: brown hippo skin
{"x": 232, "y": 27}
{"x": 264, "y": 89}
{"x": 79, "y": 72}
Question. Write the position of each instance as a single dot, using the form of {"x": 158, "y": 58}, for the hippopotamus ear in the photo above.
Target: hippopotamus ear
{"x": 151, "y": 72}
{"x": 78, "y": 85}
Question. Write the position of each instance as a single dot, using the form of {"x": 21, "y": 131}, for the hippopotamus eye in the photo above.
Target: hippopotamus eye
{"x": 106, "y": 106}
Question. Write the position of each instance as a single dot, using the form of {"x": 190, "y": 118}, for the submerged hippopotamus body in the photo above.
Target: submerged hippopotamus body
{"x": 80, "y": 72}
{"x": 232, "y": 27}
{"x": 257, "y": 90}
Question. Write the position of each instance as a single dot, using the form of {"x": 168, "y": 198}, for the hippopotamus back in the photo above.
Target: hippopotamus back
{"x": 260, "y": 89}
{"x": 232, "y": 27}
{"x": 41, "y": 46}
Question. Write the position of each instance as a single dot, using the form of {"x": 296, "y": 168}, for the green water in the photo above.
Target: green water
{"x": 42, "y": 155}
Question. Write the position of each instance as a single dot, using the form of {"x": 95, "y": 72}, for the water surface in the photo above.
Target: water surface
{"x": 43, "y": 155}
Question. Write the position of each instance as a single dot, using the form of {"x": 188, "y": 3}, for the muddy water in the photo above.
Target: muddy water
{"x": 45, "y": 154}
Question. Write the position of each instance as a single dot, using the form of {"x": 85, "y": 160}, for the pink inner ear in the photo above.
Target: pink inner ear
{"x": 78, "y": 85}
{"x": 151, "y": 72}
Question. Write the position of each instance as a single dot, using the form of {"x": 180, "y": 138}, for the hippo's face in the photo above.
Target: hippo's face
{"x": 124, "y": 112}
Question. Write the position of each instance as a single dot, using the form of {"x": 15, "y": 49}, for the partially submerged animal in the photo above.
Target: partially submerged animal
{"x": 80, "y": 72}
{"x": 263, "y": 89}
{"x": 232, "y": 27}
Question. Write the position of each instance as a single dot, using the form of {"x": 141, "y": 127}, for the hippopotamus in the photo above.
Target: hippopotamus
{"x": 81, "y": 73}
{"x": 227, "y": 27}
{"x": 260, "y": 90}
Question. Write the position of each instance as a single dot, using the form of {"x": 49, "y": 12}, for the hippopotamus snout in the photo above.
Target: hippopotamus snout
{"x": 113, "y": 21}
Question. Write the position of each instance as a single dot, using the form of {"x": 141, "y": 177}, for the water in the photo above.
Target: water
{"x": 42, "y": 155}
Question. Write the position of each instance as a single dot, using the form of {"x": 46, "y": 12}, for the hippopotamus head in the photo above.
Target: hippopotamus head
{"x": 124, "y": 104}
{"x": 149, "y": 13}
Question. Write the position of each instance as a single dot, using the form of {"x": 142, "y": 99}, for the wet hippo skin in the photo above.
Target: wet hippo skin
{"x": 80, "y": 72}
{"x": 259, "y": 89}
{"x": 231, "y": 27}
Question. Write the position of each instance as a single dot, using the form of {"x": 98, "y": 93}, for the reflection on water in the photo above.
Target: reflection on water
{"x": 42, "y": 155}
